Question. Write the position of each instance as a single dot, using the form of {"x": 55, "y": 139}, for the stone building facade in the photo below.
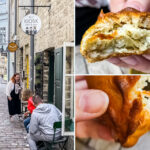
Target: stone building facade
{"x": 57, "y": 28}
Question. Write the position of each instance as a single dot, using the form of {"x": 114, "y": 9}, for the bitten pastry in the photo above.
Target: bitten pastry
{"x": 117, "y": 34}
{"x": 128, "y": 113}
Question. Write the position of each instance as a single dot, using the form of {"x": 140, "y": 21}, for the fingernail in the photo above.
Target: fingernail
{"x": 94, "y": 101}
{"x": 130, "y": 60}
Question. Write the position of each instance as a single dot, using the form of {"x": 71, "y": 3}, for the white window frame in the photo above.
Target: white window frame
{"x": 67, "y": 44}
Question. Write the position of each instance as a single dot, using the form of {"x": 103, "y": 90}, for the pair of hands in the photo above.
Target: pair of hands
{"x": 91, "y": 104}
{"x": 140, "y": 63}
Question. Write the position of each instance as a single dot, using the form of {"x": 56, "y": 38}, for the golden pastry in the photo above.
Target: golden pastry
{"x": 128, "y": 113}
{"x": 117, "y": 34}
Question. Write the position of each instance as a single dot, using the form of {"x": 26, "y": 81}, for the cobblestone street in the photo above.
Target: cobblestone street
{"x": 12, "y": 133}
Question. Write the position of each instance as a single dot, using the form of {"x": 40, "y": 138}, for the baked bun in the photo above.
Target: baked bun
{"x": 128, "y": 113}
{"x": 117, "y": 34}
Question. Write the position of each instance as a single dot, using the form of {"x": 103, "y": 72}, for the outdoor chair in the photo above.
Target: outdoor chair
{"x": 59, "y": 142}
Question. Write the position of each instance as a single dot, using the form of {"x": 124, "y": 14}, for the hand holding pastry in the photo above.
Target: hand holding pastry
{"x": 141, "y": 63}
{"x": 141, "y": 5}
{"x": 121, "y": 36}
{"x": 128, "y": 113}
{"x": 90, "y": 104}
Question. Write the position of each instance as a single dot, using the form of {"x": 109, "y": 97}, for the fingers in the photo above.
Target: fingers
{"x": 117, "y": 61}
{"x": 140, "y": 63}
{"x": 90, "y": 104}
{"x": 143, "y": 64}
{"x": 116, "y": 5}
{"x": 147, "y": 57}
{"x": 130, "y": 60}
{"x": 92, "y": 129}
{"x": 141, "y": 5}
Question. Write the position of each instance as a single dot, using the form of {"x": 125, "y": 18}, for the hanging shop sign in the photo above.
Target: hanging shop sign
{"x": 12, "y": 47}
{"x": 31, "y": 24}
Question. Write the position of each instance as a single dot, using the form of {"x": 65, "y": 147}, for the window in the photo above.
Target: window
{"x": 68, "y": 89}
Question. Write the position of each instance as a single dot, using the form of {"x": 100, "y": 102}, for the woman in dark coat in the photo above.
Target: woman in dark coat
{"x": 13, "y": 90}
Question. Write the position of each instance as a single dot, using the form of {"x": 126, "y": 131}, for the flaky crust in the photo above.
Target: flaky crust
{"x": 109, "y": 21}
{"x": 125, "y": 116}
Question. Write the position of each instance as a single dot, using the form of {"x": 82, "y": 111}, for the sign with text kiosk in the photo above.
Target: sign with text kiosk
{"x": 31, "y": 24}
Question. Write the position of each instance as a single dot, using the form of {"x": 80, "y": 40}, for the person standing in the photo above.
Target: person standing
{"x": 13, "y": 91}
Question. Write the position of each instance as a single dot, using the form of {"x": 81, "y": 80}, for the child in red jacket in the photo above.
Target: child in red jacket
{"x": 27, "y": 96}
{"x": 30, "y": 106}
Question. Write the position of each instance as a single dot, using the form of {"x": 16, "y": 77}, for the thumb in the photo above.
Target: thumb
{"x": 90, "y": 104}
{"x": 141, "y": 5}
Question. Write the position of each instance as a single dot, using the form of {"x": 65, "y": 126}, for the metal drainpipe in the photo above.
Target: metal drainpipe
{"x": 8, "y": 54}
{"x": 32, "y": 54}
{"x": 15, "y": 34}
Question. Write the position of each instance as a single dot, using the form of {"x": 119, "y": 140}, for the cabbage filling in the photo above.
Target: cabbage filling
{"x": 143, "y": 87}
{"x": 128, "y": 38}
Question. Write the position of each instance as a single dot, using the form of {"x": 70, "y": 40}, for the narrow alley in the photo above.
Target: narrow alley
{"x": 12, "y": 133}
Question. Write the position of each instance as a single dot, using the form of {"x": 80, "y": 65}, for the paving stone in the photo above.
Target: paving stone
{"x": 12, "y": 134}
